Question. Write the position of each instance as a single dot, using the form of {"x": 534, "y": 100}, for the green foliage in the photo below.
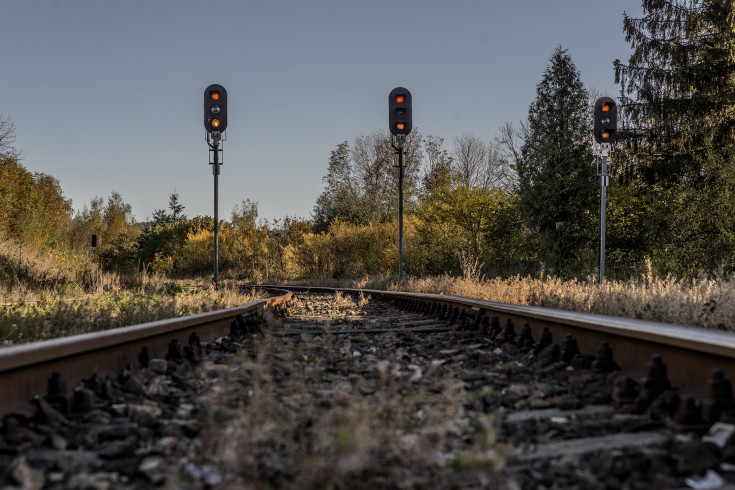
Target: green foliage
{"x": 676, "y": 156}
{"x": 556, "y": 171}
{"x": 677, "y": 87}
{"x": 117, "y": 232}
{"x": 33, "y": 207}
{"x": 361, "y": 184}
{"x": 348, "y": 250}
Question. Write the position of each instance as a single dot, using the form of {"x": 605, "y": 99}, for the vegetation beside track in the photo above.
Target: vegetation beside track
{"x": 699, "y": 302}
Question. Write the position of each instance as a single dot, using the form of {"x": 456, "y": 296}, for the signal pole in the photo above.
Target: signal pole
{"x": 603, "y": 171}
{"x": 215, "y": 123}
{"x": 216, "y": 136}
{"x": 400, "y": 124}
{"x": 398, "y": 146}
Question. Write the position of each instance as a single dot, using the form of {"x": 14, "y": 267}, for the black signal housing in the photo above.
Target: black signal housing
{"x": 215, "y": 108}
{"x": 606, "y": 120}
{"x": 399, "y": 111}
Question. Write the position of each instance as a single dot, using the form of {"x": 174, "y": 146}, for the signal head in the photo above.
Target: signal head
{"x": 399, "y": 111}
{"x": 605, "y": 120}
{"x": 215, "y": 108}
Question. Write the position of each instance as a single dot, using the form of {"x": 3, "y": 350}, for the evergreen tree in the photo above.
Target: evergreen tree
{"x": 677, "y": 88}
{"x": 678, "y": 139}
{"x": 556, "y": 173}
{"x": 177, "y": 209}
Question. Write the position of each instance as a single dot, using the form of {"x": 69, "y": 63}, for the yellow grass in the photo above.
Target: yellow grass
{"x": 702, "y": 302}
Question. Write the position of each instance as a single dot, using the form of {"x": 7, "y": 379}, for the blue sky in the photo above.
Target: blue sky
{"x": 107, "y": 96}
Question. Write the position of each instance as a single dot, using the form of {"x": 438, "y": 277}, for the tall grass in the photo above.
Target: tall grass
{"x": 53, "y": 316}
{"x": 701, "y": 302}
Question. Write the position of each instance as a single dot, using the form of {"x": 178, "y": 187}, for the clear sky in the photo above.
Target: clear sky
{"x": 107, "y": 95}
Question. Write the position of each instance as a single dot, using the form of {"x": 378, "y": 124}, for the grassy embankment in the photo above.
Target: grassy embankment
{"x": 45, "y": 295}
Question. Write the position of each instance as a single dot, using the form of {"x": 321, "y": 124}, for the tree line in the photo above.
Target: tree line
{"x": 523, "y": 202}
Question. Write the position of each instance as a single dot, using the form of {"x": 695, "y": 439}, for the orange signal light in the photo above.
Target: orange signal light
{"x": 605, "y": 107}
{"x": 215, "y": 95}
{"x": 400, "y": 99}
{"x": 400, "y": 125}
{"x": 215, "y": 123}
{"x": 605, "y": 135}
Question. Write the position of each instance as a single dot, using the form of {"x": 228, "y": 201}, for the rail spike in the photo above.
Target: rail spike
{"x": 569, "y": 348}
{"x": 604, "y": 361}
{"x": 720, "y": 401}
{"x": 58, "y": 394}
{"x": 525, "y": 339}
{"x": 544, "y": 341}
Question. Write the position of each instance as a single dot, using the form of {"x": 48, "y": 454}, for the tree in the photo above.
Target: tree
{"x": 177, "y": 209}
{"x": 438, "y": 170}
{"x": 478, "y": 164}
{"x": 374, "y": 164}
{"x": 470, "y": 155}
{"x": 7, "y": 138}
{"x": 362, "y": 182}
{"x": 341, "y": 196}
{"x": 678, "y": 140}
{"x": 164, "y": 237}
{"x": 677, "y": 90}
{"x": 556, "y": 172}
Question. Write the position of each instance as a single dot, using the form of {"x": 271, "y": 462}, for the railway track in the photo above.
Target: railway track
{"x": 414, "y": 390}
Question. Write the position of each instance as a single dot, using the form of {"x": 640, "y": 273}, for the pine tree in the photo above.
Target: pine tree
{"x": 177, "y": 209}
{"x": 556, "y": 172}
{"x": 677, "y": 88}
{"x": 678, "y": 140}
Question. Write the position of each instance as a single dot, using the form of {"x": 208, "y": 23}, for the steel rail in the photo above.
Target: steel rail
{"x": 690, "y": 353}
{"x": 25, "y": 369}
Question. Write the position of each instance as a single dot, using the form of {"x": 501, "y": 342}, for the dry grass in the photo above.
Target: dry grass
{"x": 52, "y": 316}
{"x": 704, "y": 303}
{"x": 700, "y": 302}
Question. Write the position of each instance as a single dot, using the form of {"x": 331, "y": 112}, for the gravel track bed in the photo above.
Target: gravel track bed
{"x": 294, "y": 403}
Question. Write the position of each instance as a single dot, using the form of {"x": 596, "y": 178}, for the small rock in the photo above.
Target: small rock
{"x": 720, "y": 434}
{"x": 211, "y": 476}
{"x": 166, "y": 445}
{"x": 98, "y": 417}
{"x": 55, "y": 441}
{"x": 95, "y": 481}
{"x": 184, "y": 410}
{"x": 158, "y": 387}
{"x": 50, "y": 415}
{"x": 138, "y": 411}
{"x": 27, "y": 477}
{"x": 710, "y": 481}
{"x": 158, "y": 366}
{"x": 119, "y": 449}
{"x": 154, "y": 469}
{"x": 134, "y": 386}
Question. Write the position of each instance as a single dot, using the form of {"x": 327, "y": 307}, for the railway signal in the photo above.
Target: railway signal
{"x": 215, "y": 123}
{"x": 399, "y": 111}
{"x": 400, "y": 125}
{"x": 605, "y": 133}
{"x": 215, "y": 108}
{"x": 606, "y": 120}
